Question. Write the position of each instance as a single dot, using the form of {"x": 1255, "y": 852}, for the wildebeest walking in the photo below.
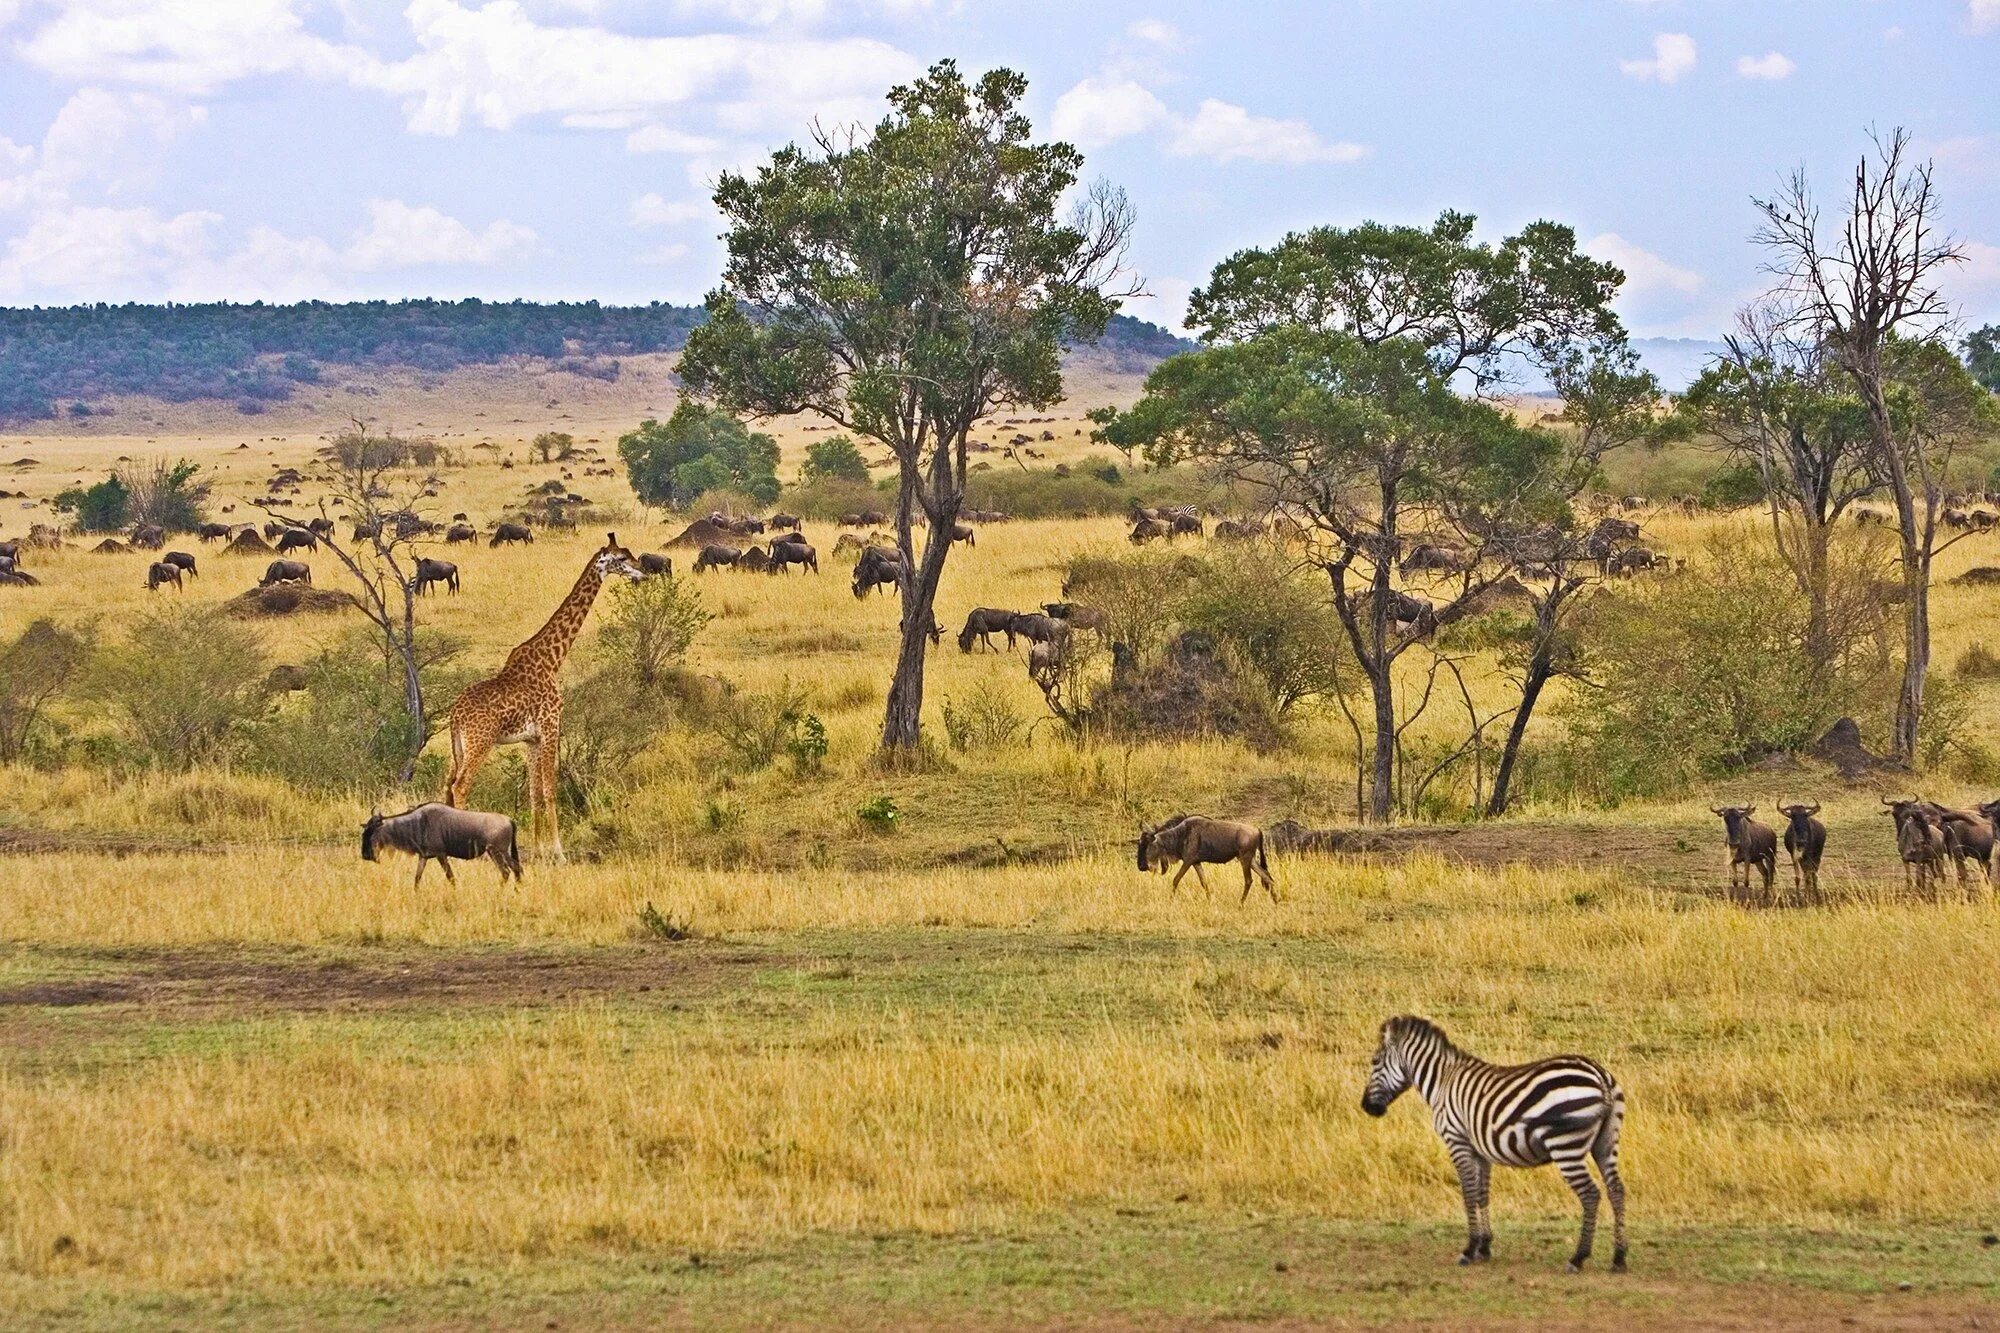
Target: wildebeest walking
{"x": 1197, "y": 840}
{"x": 296, "y": 539}
{"x": 787, "y": 553}
{"x": 653, "y": 564}
{"x": 1805, "y": 840}
{"x": 1566, "y": 1110}
{"x": 431, "y": 571}
{"x": 183, "y": 560}
{"x": 437, "y": 832}
{"x": 1750, "y": 844}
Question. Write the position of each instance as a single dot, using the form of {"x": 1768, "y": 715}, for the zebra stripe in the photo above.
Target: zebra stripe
{"x": 1566, "y": 1110}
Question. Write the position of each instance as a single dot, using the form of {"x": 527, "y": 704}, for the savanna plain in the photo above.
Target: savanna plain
{"x": 754, "y": 1057}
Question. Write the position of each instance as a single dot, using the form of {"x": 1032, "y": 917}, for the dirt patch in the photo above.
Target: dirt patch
{"x": 204, "y": 980}
{"x": 284, "y": 599}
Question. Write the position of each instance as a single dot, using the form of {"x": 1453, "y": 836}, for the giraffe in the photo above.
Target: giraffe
{"x": 523, "y": 703}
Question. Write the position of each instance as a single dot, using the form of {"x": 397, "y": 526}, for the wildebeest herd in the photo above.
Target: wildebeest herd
{"x": 1930, "y": 839}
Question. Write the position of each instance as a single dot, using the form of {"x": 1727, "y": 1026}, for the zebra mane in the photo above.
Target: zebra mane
{"x": 1408, "y": 1026}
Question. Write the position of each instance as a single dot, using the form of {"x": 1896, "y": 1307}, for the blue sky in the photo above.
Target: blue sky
{"x": 282, "y": 149}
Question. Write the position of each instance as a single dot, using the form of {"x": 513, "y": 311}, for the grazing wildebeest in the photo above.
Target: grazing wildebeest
{"x": 183, "y": 560}
{"x": 286, "y": 571}
{"x": 962, "y": 533}
{"x": 160, "y": 572}
{"x": 460, "y": 532}
{"x": 1186, "y": 525}
{"x": 1750, "y": 844}
{"x": 1632, "y": 561}
{"x": 437, "y": 832}
{"x": 320, "y": 527}
{"x": 1431, "y": 557}
{"x": 1805, "y": 841}
{"x": 782, "y": 521}
{"x": 787, "y": 553}
{"x": 1923, "y": 841}
{"x": 716, "y": 556}
{"x": 431, "y": 571}
{"x": 1045, "y": 662}
{"x": 1564, "y": 1110}
{"x": 296, "y": 539}
{"x": 213, "y": 532}
{"x": 984, "y": 621}
{"x": 1150, "y": 529}
{"x": 273, "y": 530}
{"x": 13, "y": 576}
{"x": 505, "y": 533}
{"x": 151, "y": 536}
{"x": 878, "y": 567}
{"x": 654, "y": 564}
{"x": 794, "y": 536}
{"x": 11, "y": 548}
{"x": 1197, "y": 840}
{"x": 1238, "y": 529}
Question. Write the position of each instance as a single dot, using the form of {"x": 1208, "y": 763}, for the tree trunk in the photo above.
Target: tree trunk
{"x": 1382, "y": 780}
{"x": 1916, "y": 654}
{"x": 1540, "y": 667}
{"x": 902, "y": 722}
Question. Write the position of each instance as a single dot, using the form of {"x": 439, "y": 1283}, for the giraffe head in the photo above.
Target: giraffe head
{"x": 615, "y": 559}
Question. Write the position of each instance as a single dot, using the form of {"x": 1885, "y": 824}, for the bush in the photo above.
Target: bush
{"x": 826, "y": 499}
{"x": 1133, "y": 592}
{"x": 1271, "y": 623}
{"x": 985, "y": 720}
{"x": 1733, "y": 487}
{"x": 36, "y": 671}
{"x": 1696, "y": 675}
{"x": 834, "y": 458}
{"x": 880, "y": 813}
{"x": 1041, "y": 493}
{"x": 757, "y": 727}
{"x": 347, "y": 728}
{"x": 553, "y": 445}
{"x": 181, "y": 686}
{"x": 610, "y": 718}
{"x": 167, "y": 494}
{"x": 105, "y": 507}
{"x": 649, "y": 626}
{"x": 695, "y": 450}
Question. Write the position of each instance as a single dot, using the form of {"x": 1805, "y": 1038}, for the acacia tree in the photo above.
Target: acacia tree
{"x": 1855, "y": 293}
{"x": 1332, "y": 376}
{"x": 904, "y": 283}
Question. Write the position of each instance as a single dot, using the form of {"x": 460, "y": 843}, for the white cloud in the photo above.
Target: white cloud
{"x": 1108, "y": 107}
{"x": 665, "y": 139}
{"x": 1983, "y": 15}
{"x": 1673, "y": 57}
{"x": 192, "y": 47}
{"x": 1646, "y": 274}
{"x": 1223, "y": 132}
{"x": 1102, "y": 110}
{"x": 1773, "y": 65}
{"x": 1156, "y": 31}
{"x": 400, "y": 236}
{"x": 75, "y": 250}
{"x": 654, "y": 210}
{"x": 109, "y": 140}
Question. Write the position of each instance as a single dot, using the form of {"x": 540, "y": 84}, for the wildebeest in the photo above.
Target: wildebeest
{"x": 1238, "y": 529}
{"x": 1433, "y": 557}
{"x": 1150, "y": 529}
{"x": 1968, "y": 834}
{"x": 151, "y": 536}
{"x": 437, "y": 832}
{"x": 460, "y": 532}
{"x": 1922, "y": 842}
{"x": 654, "y": 564}
{"x": 1045, "y": 662}
{"x": 1633, "y": 560}
{"x": 1186, "y": 525}
{"x": 716, "y": 556}
{"x": 878, "y": 567}
{"x": 160, "y": 572}
{"x": 866, "y": 518}
{"x": 213, "y": 532}
{"x": 286, "y": 571}
{"x": 962, "y": 533}
{"x": 431, "y": 571}
{"x": 320, "y": 527}
{"x": 787, "y": 553}
{"x": 984, "y": 621}
{"x": 13, "y": 576}
{"x": 1197, "y": 840}
{"x": 796, "y": 537}
{"x": 296, "y": 539}
{"x": 1805, "y": 841}
{"x": 1035, "y": 627}
{"x": 783, "y": 521}
{"x": 183, "y": 560}
{"x": 1750, "y": 844}
{"x": 505, "y": 533}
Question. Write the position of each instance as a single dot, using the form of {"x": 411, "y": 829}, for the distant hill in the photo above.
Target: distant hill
{"x": 63, "y": 361}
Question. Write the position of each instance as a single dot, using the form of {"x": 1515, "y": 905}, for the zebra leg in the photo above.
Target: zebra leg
{"x": 1606, "y": 1153}
{"x": 1469, "y": 1166}
{"x": 1485, "y": 1209}
{"x": 1576, "y": 1174}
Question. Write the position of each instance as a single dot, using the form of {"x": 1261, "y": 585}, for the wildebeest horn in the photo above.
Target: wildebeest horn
{"x": 1815, "y": 808}
{"x": 1715, "y": 809}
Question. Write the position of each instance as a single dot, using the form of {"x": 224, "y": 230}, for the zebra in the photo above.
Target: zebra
{"x": 1561, "y": 1110}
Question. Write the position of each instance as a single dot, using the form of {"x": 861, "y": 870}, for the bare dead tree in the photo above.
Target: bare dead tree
{"x": 380, "y": 560}
{"x": 1856, "y": 289}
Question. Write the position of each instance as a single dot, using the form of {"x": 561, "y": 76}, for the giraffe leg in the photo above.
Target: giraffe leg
{"x": 469, "y": 749}
{"x": 1576, "y": 1174}
{"x": 545, "y": 778}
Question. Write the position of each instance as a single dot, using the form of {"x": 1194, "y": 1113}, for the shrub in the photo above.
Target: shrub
{"x": 808, "y": 746}
{"x": 610, "y": 718}
{"x": 650, "y": 625}
{"x": 695, "y": 450}
{"x": 347, "y": 728}
{"x": 105, "y": 507}
{"x": 1270, "y": 622}
{"x": 167, "y": 494}
{"x": 36, "y": 671}
{"x": 1133, "y": 592}
{"x": 1094, "y": 486}
{"x": 986, "y": 719}
{"x": 1978, "y": 663}
{"x": 757, "y": 727}
{"x": 834, "y": 458}
{"x": 180, "y": 687}
{"x": 880, "y": 813}
{"x": 827, "y": 498}
{"x": 553, "y": 445}
{"x": 1733, "y": 487}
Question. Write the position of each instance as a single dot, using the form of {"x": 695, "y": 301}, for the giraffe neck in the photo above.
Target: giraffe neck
{"x": 549, "y": 645}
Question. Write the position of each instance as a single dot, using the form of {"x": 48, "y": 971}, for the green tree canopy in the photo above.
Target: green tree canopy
{"x": 1982, "y": 356}
{"x": 835, "y": 458}
{"x": 903, "y": 283}
{"x": 698, "y": 449}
